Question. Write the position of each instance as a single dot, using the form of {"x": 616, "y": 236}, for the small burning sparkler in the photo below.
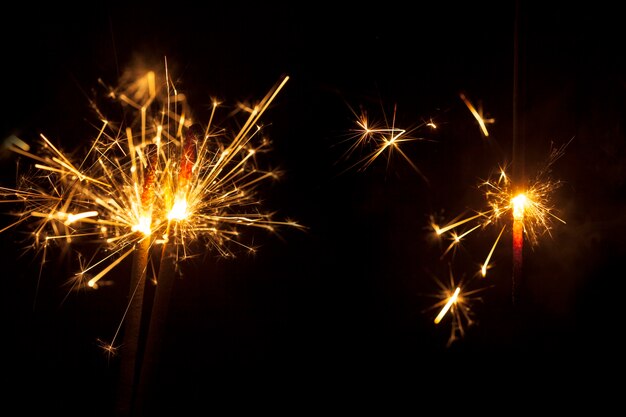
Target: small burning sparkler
{"x": 530, "y": 208}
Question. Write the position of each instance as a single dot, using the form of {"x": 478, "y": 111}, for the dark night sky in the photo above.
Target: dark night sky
{"x": 344, "y": 301}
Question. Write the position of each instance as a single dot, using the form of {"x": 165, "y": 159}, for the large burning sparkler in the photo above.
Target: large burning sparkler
{"x": 157, "y": 185}
{"x": 160, "y": 179}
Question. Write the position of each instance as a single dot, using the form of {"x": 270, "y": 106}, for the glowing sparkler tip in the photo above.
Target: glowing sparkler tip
{"x": 179, "y": 209}
{"x": 143, "y": 225}
{"x": 519, "y": 202}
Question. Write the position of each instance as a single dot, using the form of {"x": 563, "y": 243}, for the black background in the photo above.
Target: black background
{"x": 316, "y": 314}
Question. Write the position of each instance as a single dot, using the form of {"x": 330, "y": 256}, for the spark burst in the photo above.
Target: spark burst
{"x": 455, "y": 304}
{"x": 157, "y": 179}
{"x": 373, "y": 139}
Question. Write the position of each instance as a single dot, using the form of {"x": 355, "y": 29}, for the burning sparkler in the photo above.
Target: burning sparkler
{"x": 159, "y": 179}
{"x": 530, "y": 208}
{"x": 157, "y": 186}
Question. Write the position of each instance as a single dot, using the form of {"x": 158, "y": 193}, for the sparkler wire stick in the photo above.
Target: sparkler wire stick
{"x": 165, "y": 279}
{"x": 518, "y": 152}
{"x": 156, "y": 329}
{"x": 145, "y": 192}
{"x": 518, "y": 240}
{"x": 132, "y": 330}
{"x": 130, "y": 347}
